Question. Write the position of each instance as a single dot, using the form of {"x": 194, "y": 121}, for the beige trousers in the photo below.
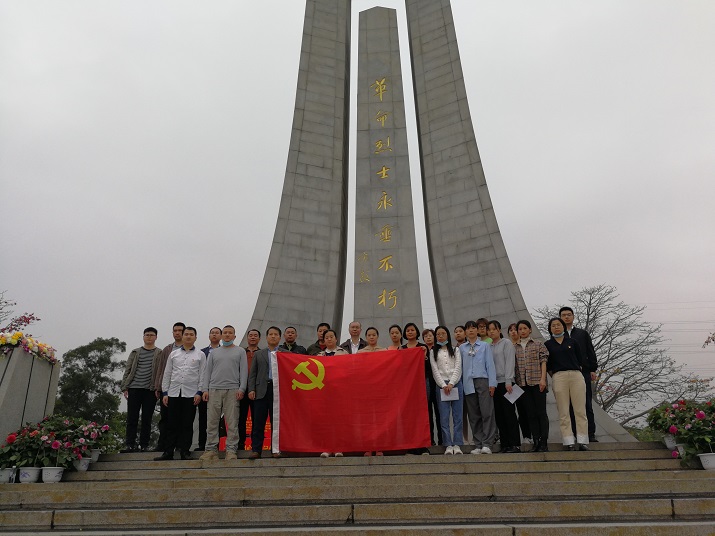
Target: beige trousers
{"x": 569, "y": 387}
{"x": 223, "y": 401}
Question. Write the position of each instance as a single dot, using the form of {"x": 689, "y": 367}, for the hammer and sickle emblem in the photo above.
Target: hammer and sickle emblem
{"x": 315, "y": 381}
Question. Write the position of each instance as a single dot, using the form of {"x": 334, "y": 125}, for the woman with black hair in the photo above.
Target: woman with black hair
{"x": 395, "y": 332}
{"x": 565, "y": 363}
{"x": 504, "y": 361}
{"x": 411, "y": 333}
{"x": 531, "y": 357}
{"x": 446, "y": 364}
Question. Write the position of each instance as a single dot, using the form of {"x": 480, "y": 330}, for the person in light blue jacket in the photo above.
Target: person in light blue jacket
{"x": 480, "y": 381}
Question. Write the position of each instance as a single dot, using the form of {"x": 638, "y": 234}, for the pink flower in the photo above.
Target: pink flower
{"x": 674, "y": 454}
{"x": 105, "y": 428}
{"x": 44, "y": 438}
{"x": 688, "y": 426}
{"x": 68, "y": 445}
{"x": 700, "y": 415}
{"x": 82, "y": 440}
{"x": 11, "y": 439}
{"x": 56, "y": 444}
{"x": 93, "y": 435}
{"x": 675, "y": 406}
{"x": 673, "y": 429}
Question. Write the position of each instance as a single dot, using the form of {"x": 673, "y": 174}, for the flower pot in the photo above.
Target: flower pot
{"x": 669, "y": 440}
{"x": 82, "y": 465}
{"x": 29, "y": 475}
{"x": 7, "y": 476}
{"x": 52, "y": 474}
{"x": 708, "y": 461}
{"x": 95, "y": 454}
{"x": 681, "y": 449}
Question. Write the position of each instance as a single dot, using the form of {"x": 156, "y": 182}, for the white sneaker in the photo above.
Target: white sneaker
{"x": 486, "y": 450}
{"x": 448, "y": 451}
{"x": 477, "y": 450}
{"x": 456, "y": 450}
{"x": 338, "y": 454}
{"x": 325, "y": 455}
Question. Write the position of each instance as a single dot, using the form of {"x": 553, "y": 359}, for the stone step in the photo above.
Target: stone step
{"x": 319, "y": 479}
{"x": 148, "y": 464}
{"x": 462, "y": 464}
{"x": 666, "y": 528}
{"x": 545, "y": 511}
{"x": 597, "y": 449}
{"x": 204, "y": 493}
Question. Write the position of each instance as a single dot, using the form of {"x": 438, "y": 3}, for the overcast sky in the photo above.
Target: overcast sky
{"x": 143, "y": 148}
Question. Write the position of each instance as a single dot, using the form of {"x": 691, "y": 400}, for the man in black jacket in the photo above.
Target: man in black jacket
{"x": 582, "y": 337}
{"x": 355, "y": 343}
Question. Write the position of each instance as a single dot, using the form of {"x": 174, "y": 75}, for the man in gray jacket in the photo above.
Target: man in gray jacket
{"x": 224, "y": 386}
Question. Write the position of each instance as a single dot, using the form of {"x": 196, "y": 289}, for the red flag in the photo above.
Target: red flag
{"x": 350, "y": 403}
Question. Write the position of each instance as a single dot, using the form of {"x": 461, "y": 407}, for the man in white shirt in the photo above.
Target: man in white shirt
{"x": 181, "y": 382}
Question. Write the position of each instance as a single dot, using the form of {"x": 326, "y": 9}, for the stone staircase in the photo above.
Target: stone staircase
{"x": 616, "y": 488}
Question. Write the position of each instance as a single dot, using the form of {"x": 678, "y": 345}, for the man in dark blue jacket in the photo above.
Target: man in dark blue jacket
{"x": 582, "y": 337}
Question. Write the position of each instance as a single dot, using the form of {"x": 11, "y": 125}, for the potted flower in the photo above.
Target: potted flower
{"x": 27, "y": 447}
{"x": 665, "y": 419}
{"x": 7, "y": 469}
{"x": 697, "y": 431}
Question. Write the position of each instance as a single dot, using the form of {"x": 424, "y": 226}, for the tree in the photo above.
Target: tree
{"x": 87, "y": 387}
{"x": 635, "y": 371}
{"x": 16, "y": 323}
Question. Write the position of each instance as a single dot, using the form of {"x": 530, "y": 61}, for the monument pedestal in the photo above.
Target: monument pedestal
{"x": 28, "y": 388}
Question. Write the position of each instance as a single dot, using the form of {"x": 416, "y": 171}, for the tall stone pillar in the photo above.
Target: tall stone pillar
{"x": 471, "y": 273}
{"x": 387, "y": 289}
{"x": 304, "y": 282}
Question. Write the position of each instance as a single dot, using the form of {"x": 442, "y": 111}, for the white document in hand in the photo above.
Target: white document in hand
{"x": 516, "y": 392}
{"x": 453, "y": 395}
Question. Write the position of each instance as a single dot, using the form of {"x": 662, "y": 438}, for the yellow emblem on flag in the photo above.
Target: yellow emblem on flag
{"x": 315, "y": 381}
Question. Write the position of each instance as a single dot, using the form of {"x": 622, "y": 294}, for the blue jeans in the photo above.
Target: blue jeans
{"x": 451, "y": 438}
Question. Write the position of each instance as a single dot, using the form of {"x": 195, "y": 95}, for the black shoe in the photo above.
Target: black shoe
{"x": 240, "y": 447}
{"x": 583, "y": 447}
{"x": 543, "y": 446}
{"x": 199, "y": 449}
{"x": 143, "y": 449}
{"x": 186, "y": 455}
{"x": 569, "y": 447}
{"x": 128, "y": 449}
{"x": 536, "y": 446}
{"x": 592, "y": 439}
{"x": 164, "y": 457}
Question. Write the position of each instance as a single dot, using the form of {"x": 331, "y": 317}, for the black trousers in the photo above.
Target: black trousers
{"x": 433, "y": 406}
{"x": 203, "y": 421}
{"x": 589, "y": 408}
{"x": 143, "y": 400}
{"x": 538, "y": 419}
{"x": 180, "y": 429}
{"x": 523, "y": 408}
{"x": 506, "y": 419}
{"x": 246, "y": 404}
{"x": 163, "y": 427}
{"x": 262, "y": 409}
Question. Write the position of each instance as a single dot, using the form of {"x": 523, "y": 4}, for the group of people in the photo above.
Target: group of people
{"x": 471, "y": 376}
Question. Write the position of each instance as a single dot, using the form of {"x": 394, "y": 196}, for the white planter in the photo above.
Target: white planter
{"x": 83, "y": 464}
{"x": 681, "y": 449}
{"x": 708, "y": 461}
{"x": 29, "y": 475}
{"x": 7, "y": 476}
{"x": 669, "y": 440}
{"x": 95, "y": 454}
{"x": 52, "y": 474}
